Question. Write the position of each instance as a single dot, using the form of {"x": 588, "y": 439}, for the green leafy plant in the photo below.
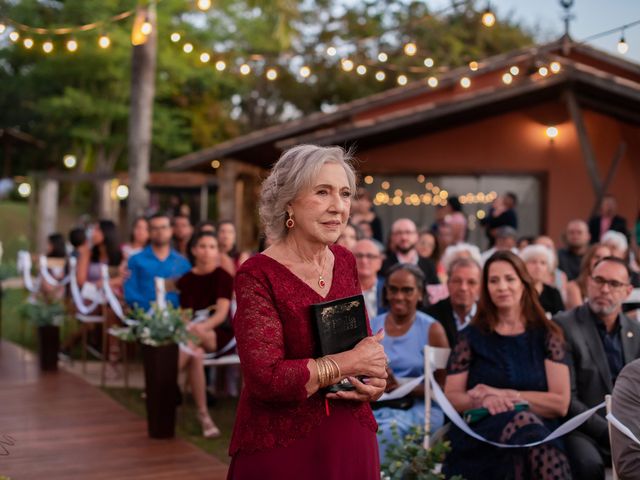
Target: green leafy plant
{"x": 158, "y": 327}
{"x": 42, "y": 313}
{"x": 407, "y": 459}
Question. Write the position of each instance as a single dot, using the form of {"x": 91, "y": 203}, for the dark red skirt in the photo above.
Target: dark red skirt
{"x": 339, "y": 449}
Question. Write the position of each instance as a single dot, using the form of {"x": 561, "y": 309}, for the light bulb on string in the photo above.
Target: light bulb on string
{"x": 331, "y": 51}
{"x": 361, "y": 70}
{"x": 623, "y": 46}
{"x": 104, "y": 41}
{"x": 380, "y": 76}
{"x": 187, "y": 48}
{"x": 465, "y": 82}
{"x": 220, "y": 65}
{"x": 205, "y": 57}
{"x": 543, "y": 71}
{"x": 14, "y": 36}
{"x": 47, "y": 46}
{"x": 175, "y": 37}
{"x": 383, "y": 57}
{"x": 272, "y": 74}
{"x": 28, "y": 43}
{"x": 245, "y": 69}
{"x": 410, "y": 49}
{"x": 305, "y": 71}
{"x": 555, "y": 67}
{"x": 347, "y": 65}
{"x": 473, "y": 66}
{"x": 514, "y": 70}
{"x": 72, "y": 45}
{"x": 432, "y": 82}
{"x": 146, "y": 28}
{"x": 488, "y": 17}
{"x": 507, "y": 78}
{"x": 428, "y": 62}
{"x": 402, "y": 80}
{"x": 204, "y": 4}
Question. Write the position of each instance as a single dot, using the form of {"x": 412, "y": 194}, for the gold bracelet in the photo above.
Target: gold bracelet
{"x": 339, "y": 374}
{"x": 323, "y": 374}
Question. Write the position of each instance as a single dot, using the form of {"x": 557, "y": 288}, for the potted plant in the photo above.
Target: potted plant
{"x": 159, "y": 332}
{"x": 407, "y": 459}
{"x": 47, "y": 316}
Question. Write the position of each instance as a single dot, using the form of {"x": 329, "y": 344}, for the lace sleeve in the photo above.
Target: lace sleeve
{"x": 258, "y": 329}
{"x": 460, "y": 358}
{"x": 556, "y": 349}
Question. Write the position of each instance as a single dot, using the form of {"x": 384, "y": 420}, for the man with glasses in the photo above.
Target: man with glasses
{"x": 456, "y": 311}
{"x": 158, "y": 259}
{"x": 369, "y": 261}
{"x": 601, "y": 341}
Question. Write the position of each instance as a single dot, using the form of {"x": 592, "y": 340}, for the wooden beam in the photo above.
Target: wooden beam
{"x": 583, "y": 137}
{"x": 622, "y": 149}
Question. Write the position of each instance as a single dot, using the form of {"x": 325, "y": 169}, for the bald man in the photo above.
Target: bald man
{"x": 576, "y": 238}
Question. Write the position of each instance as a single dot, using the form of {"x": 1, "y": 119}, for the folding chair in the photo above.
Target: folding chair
{"x": 435, "y": 358}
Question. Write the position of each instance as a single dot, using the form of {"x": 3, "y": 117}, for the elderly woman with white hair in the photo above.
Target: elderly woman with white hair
{"x": 539, "y": 261}
{"x": 619, "y": 246}
{"x": 286, "y": 425}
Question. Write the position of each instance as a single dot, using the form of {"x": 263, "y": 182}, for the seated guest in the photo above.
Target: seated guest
{"x": 456, "y": 311}
{"x": 601, "y": 340}
{"x": 625, "y": 406}
{"x": 56, "y": 248}
{"x": 139, "y": 238}
{"x": 205, "y": 287}
{"x": 362, "y": 210}
{"x": 504, "y": 240}
{"x": 349, "y": 236}
{"x": 619, "y": 246}
{"x": 608, "y": 219}
{"x": 427, "y": 245}
{"x": 158, "y": 259}
{"x": 368, "y": 262}
{"x": 182, "y": 231}
{"x": 460, "y": 250}
{"x": 539, "y": 261}
{"x": 556, "y": 277}
{"x": 511, "y": 353}
{"x": 577, "y": 289}
{"x": 407, "y": 331}
{"x": 231, "y": 258}
{"x": 576, "y": 238}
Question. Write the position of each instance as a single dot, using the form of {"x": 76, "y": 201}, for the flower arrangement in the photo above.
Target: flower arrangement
{"x": 407, "y": 459}
{"x": 42, "y": 312}
{"x": 157, "y": 327}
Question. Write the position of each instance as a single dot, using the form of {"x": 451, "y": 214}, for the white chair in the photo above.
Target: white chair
{"x": 85, "y": 313}
{"x": 435, "y": 358}
{"x": 614, "y": 475}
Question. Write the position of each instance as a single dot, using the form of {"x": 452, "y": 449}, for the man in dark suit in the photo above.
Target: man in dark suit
{"x": 600, "y": 340}
{"x": 456, "y": 311}
{"x": 607, "y": 220}
{"x": 625, "y": 406}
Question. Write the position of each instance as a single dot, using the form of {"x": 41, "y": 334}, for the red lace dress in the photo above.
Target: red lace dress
{"x": 280, "y": 433}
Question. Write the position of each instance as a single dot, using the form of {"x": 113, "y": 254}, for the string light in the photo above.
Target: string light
{"x": 623, "y": 46}
{"x": 473, "y": 66}
{"x": 432, "y": 82}
{"x": 368, "y": 179}
{"x": 382, "y": 57}
{"x": 146, "y": 28}
{"x": 24, "y": 190}
{"x": 245, "y": 69}
{"x": 72, "y": 45}
{"x": 14, "y": 36}
{"x": 220, "y": 65}
{"x": 104, "y": 41}
{"x": 361, "y": 70}
{"x": 385, "y": 185}
{"x": 380, "y": 76}
{"x": 205, "y": 57}
{"x": 331, "y": 51}
{"x": 204, "y": 4}
{"x": 69, "y": 161}
{"x": 305, "y": 71}
{"x": 555, "y": 67}
{"x": 187, "y": 48}
{"x": 47, "y": 46}
{"x": 175, "y": 37}
{"x": 543, "y": 71}
{"x": 28, "y": 43}
{"x": 465, "y": 82}
{"x": 428, "y": 62}
{"x": 215, "y": 164}
{"x": 514, "y": 70}
{"x": 488, "y": 18}
{"x": 402, "y": 80}
{"x": 272, "y": 74}
{"x": 410, "y": 49}
{"x": 122, "y": 192}
{"x": 507, "y": 78}
{"x": 347, "y": 65}
{"x": 551, "y": 132}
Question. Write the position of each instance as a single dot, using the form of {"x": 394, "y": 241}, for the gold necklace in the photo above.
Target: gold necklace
{"x": 321, "y": 282}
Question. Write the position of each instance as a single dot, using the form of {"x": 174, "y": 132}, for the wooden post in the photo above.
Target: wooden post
{"x": 622, "y": 148}
{"x": 143, "y": 68}
{"x": 47, "y": 211}
{"x": 204, "y": 202}
{"x": 228, "y": 173}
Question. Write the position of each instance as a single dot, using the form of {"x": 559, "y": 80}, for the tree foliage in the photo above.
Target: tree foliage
{"x": 80, "y": 101}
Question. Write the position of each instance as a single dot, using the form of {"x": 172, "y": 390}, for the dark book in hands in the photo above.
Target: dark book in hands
{"x": 339, "y": 325}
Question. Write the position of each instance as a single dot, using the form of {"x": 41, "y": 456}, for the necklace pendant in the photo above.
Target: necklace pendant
{"x": 321, "y": 282}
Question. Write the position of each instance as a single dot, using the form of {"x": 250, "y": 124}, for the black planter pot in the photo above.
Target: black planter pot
{"x": 48, "y": 347}
{"x": 161, "y": 385}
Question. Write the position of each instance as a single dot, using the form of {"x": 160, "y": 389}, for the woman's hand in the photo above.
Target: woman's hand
{"x": 366, "y": 359}
{"x": 392, "y": 383}
{"x": 369, "y": 390}
{"x": 480, "y": 391}
{"x": 496, "y": 404}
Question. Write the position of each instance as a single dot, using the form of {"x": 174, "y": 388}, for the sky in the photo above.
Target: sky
{"x": 590, "y": 17}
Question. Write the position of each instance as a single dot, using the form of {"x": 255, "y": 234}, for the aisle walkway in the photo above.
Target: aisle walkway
{"x": 56, "y": 426}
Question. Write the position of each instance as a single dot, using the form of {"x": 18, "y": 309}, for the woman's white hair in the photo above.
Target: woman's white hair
{"x": 617, "y": 239}
{"x": 292, "y": 173}
{"x": 534, "y": 251}
{"x": 459, "y": 250}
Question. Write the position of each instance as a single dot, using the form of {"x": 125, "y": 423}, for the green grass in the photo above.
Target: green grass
{"x": 14, "y": 234}
{"x": 187, "y": 425}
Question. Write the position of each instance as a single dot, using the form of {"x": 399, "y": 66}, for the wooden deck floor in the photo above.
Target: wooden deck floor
{"x": 56, "y": 426}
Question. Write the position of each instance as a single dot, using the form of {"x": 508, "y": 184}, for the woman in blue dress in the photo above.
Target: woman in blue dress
{"x": 407, "y": 331}
{"x": 510, "y": 354}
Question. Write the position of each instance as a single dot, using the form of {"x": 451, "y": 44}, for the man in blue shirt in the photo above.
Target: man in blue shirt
{"x": 158, "y": 259}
